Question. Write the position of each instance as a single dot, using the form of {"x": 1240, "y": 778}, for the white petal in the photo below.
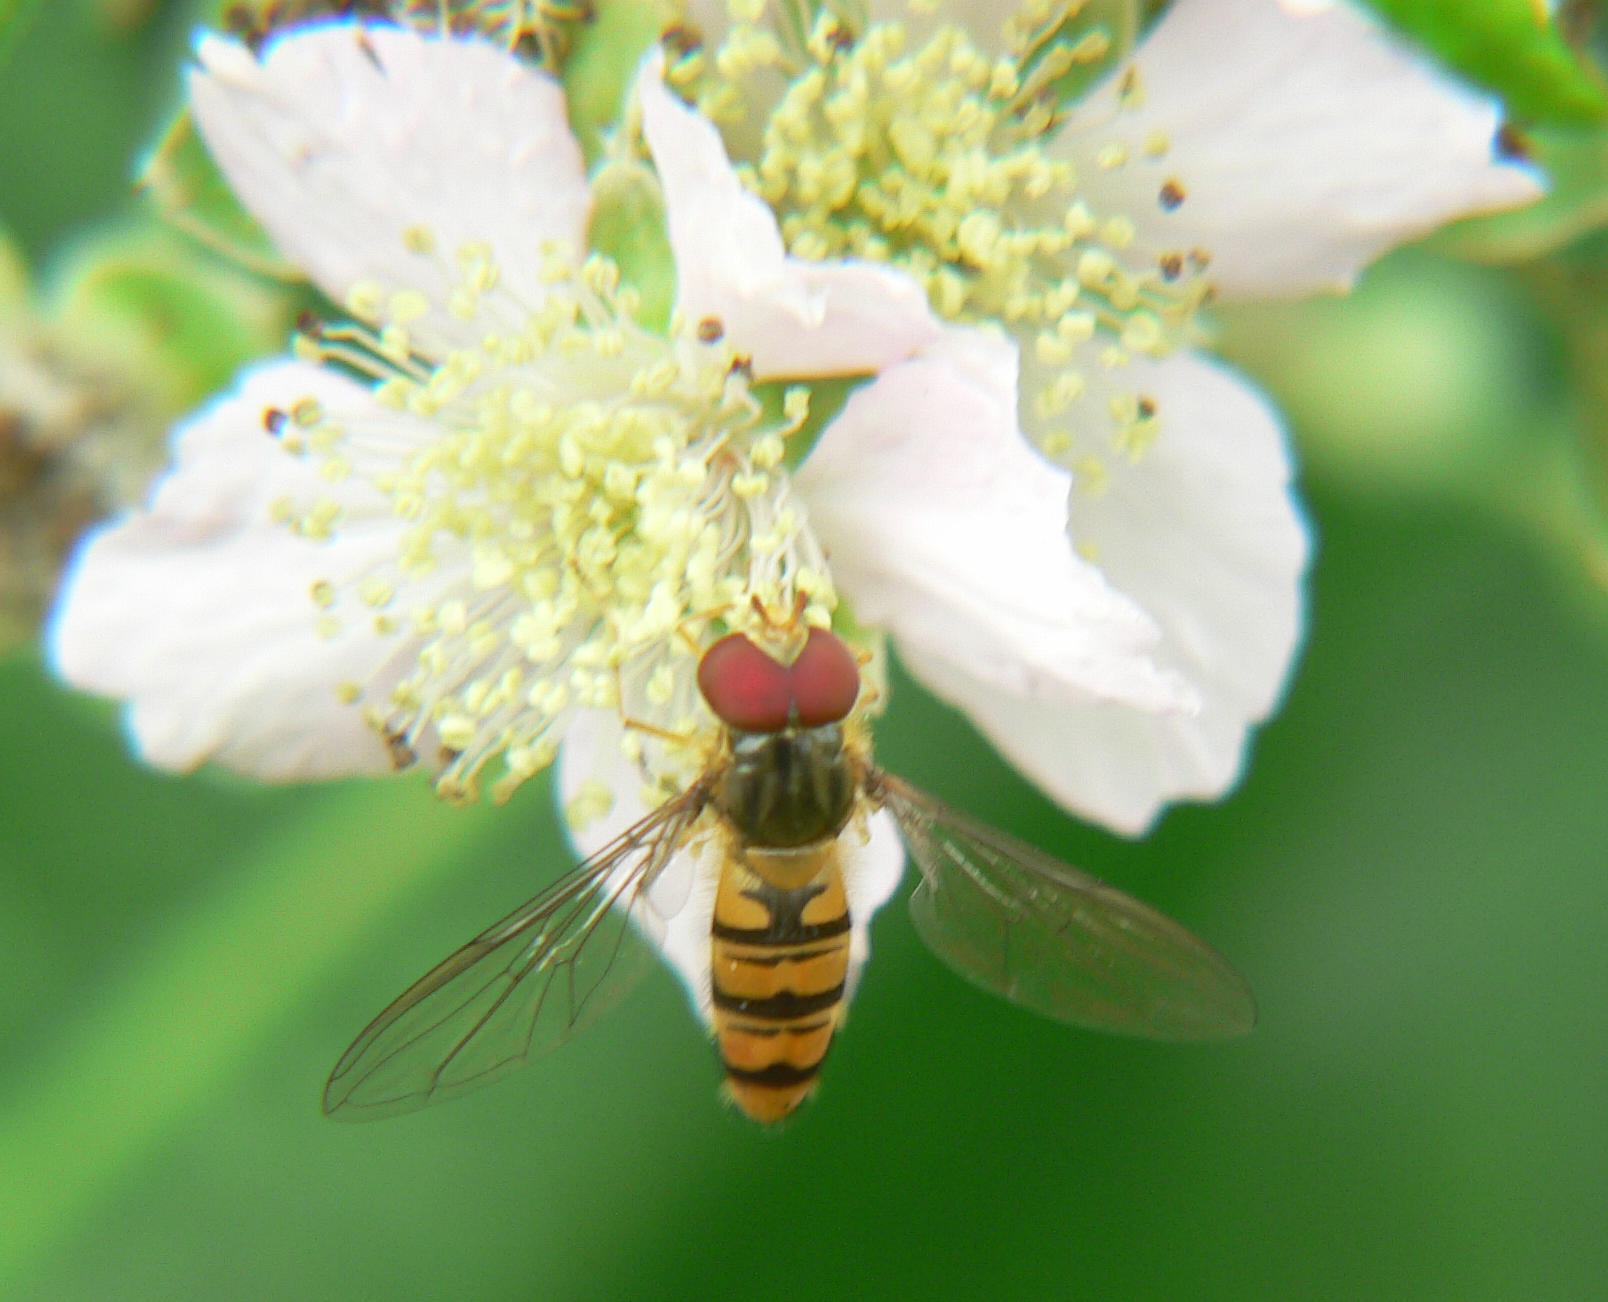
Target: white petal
{"x": 792, "y": 318}
{"x": 344, "y": 137}
{"x": 1204, "y": 532}
{"x": 682, "y": 915}
{"x": 198, "y": 610}
{"x": 1306, "y": 138}
{"x": 872, "y": 868}
{"x": 945, "y": 528}
{"x": 679, "y": 922}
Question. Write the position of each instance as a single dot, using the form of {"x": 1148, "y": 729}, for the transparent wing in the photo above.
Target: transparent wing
{"x": 1024, "y": 925}
{"x": 519, "y": 989}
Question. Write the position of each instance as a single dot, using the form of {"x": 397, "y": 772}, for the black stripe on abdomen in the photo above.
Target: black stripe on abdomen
{"x": 783, "y": 1006}
{"x": 803, "y": 933}
{"x": 776, "y": 1075}
{"x": 766, "y": 1032}
{"x": 783, "y": 955}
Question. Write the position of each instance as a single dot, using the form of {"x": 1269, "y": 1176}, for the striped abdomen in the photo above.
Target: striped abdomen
{"x": 780, "y": 964}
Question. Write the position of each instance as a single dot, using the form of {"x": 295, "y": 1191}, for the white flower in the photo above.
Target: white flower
{"x": 496, "y": 514}
{"x": 1248, "y": 148}
{"x": 530, "y": 502}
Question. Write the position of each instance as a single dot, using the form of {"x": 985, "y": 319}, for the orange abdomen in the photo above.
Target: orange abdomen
{"x": 780, "y": 964}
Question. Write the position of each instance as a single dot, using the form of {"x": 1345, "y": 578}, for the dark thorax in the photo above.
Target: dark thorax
{"x": 787, "y": 789}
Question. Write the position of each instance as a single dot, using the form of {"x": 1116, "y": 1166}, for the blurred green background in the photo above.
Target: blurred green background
{"x": 1414, "y": 876}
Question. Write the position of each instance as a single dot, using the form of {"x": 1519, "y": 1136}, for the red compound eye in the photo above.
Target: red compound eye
{"x": 826, "y": 680}
{"x": 745, "y": 688}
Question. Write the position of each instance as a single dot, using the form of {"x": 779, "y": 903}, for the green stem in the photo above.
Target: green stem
{"x": 173, "y": 1029}
{"x": 14, "y": 18}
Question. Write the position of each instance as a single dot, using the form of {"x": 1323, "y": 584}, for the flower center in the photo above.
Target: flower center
{"x": 943, "y": 161}
{"x": 578, "y": 507}
{"x": 539, "y": 29}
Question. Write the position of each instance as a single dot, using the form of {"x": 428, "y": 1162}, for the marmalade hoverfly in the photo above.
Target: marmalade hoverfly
{"x": 791, "y": 778}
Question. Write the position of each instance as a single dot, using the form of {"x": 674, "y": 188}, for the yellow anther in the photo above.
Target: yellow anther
{"x": 1050, "y": 350}
{"x": 1142, "y": 333}
{"x": 1091, "y": 476}
{"x": 365, "y": 299}
{"x": 376, "y": 591}
{"x": 1118, "y": 232}
{"x": 1095, "y": 268}
{"x": 395, "y": 344}
{"x": 407, "y": 306}
{"x": 1092, "y": 46}
{"x": 307, "y": 412}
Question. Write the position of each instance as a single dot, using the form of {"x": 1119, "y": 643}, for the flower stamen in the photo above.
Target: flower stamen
{"x": 592, "y": 503}
{"x": 941, "y": 160}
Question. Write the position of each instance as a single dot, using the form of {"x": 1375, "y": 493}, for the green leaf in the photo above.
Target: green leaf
{"x": 14, "y": 278}
{"x": 1076, "y": 49}
{"x": 172, "y": 1023}
{"x": 184, "y": 324}
{"x": 191, "y": 193}
{"x": 14, "y": 17}
{"x": 1574, "y": 207}
{"x": 1510, "y": 47}
{"x": 827, "y": 399}
{"x": 628, "y": 225}
{"x": 599, "y": 66}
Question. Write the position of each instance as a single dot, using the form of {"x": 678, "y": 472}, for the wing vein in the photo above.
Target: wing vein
{"x": 493, "y": 1003}
{"x": 1017, "y": 921}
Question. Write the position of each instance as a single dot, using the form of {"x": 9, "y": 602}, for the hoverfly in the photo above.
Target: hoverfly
{"x": 792, "y": 777}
